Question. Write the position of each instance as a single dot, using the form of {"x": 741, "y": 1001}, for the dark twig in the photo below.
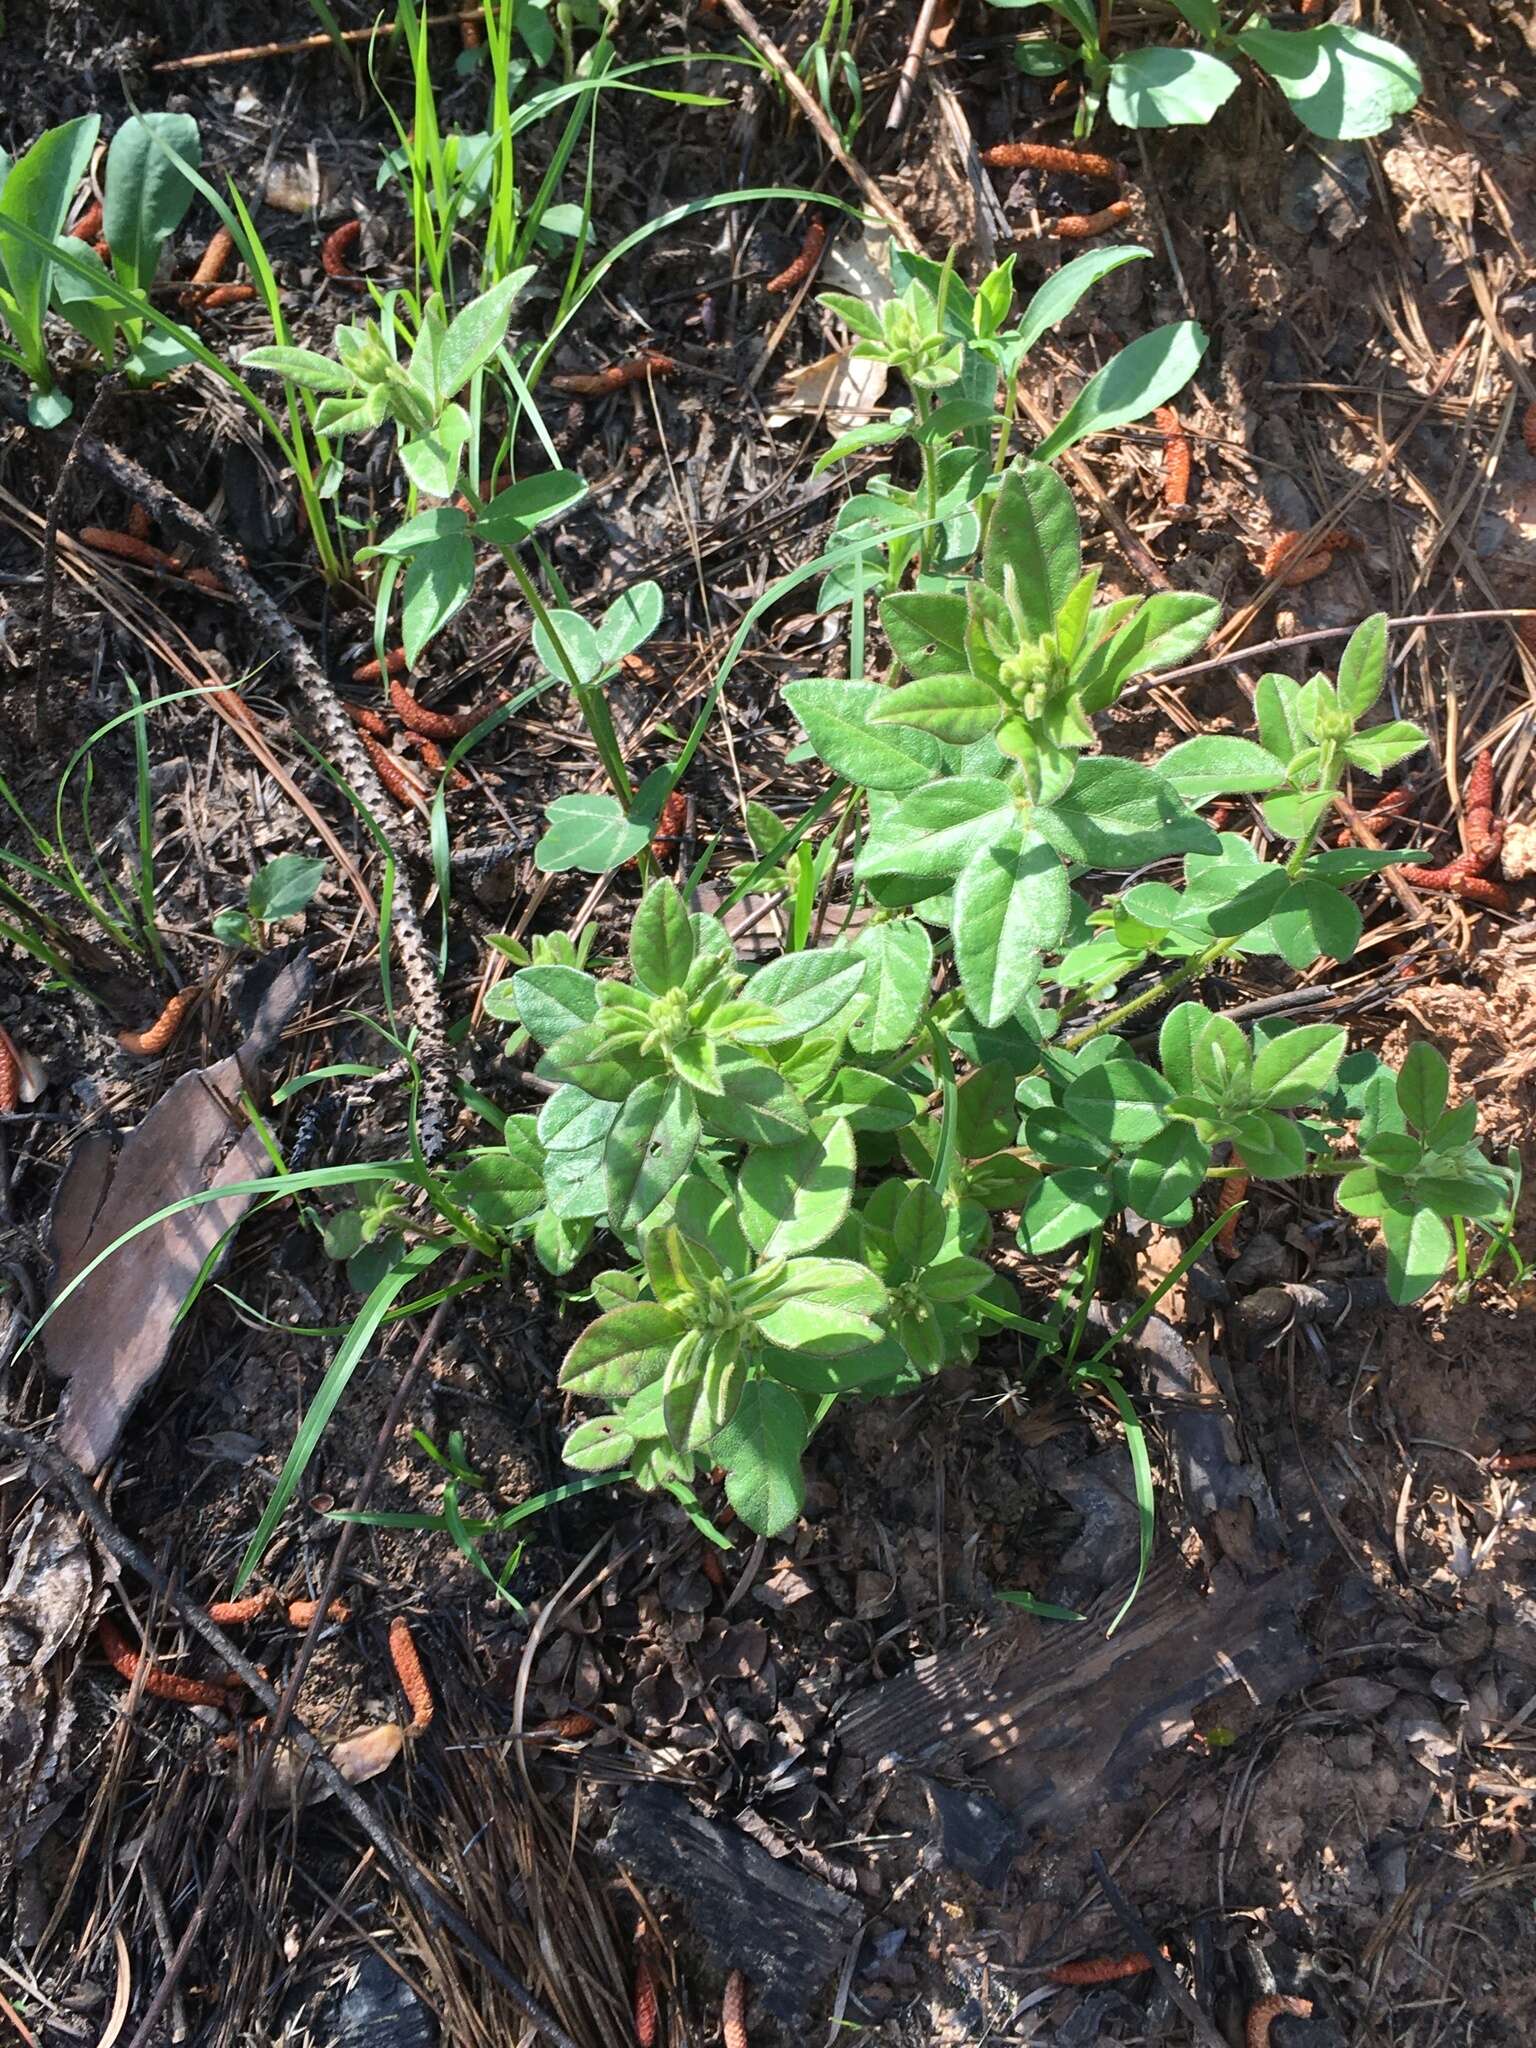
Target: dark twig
{"x": 1136, "y": 1929}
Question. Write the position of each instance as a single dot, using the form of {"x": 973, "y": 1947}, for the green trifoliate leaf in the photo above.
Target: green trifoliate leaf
{"x": 1062, "y": 1208}
{"x": 1298, "y": 1066}
{"x": 1160, "y": 87}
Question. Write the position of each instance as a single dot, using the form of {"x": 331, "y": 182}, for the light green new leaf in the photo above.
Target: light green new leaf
{"x": 1033, "y": 540}
{"x": 630, "y": 621}
{"x": 1160, "y": 87}
{"x": 588, "y": 832}
{"x": 661, "y": 941}
{"x": 1423, "y": 1083}
{"x": 1418, "y": 1250}
{"x": 1062, "y": 291}
{"x": 1215, "y": 765}
{"x": 1363, "y": 666}
{"x": 476, "y": 334}
{"x": 957, "y": 709}
{"x": 515, "y": 512}
{"x": 898, "y": 969}
{"x": 793, "y": 1197}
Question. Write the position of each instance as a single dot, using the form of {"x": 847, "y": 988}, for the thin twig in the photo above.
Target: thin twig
{"x": 1137, "y": 1929}
{"x": 911, "y": 63}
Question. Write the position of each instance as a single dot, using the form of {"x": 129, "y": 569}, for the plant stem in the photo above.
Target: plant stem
{"x": 1188, "y": 972}
{"x": 591, "y": 702}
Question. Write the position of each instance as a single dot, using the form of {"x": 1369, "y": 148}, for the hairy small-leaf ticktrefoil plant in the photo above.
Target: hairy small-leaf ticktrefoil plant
{"x": 803, "y": 1162}
{"x": 1339, "y": 81}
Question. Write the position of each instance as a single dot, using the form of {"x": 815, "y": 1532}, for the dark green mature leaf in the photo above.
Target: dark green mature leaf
{"x": 652, "y": 1141}
{"x": 146, "y": 196}
{"x": 1163, "y": 1174}
{"x": 837, "y": 716}
{"x": 554, "y": 1000}
{"x": 761, "y": 1448}
{"x": 756, "y": 1105}
{"x": 517, "y": 510}
{"x": 284, "y": 887}
{"x": 1418, "y": 1251}
{"x": 935, "y": 831}
{"x": 1313, "y": 918}
{"x": 957, "y": 709}
{"x": 1297, "y": 1066}
{"x": 1062, "y": 1208}
{"x": 1065, "y": 287}
{"x": 1121, "y": 815}
{"x": 898, "y": 969}
{"x": 1141, "y": 377}
{"x": 1341, "y": 82}
{"x": 37, "y": 192}
{"x": 500, "y": 1187}
{"x": 1011, "y": 908}
{"x": 1123, "y": 1101}
{"x": 1176, "y": 1041}
{"x": 621, "y": 1352}
{"x": 1271, "y": 1145}
{"x": 926, "y": 629}
{"x": 1423, "y": 1083}
{"x": 1032, "y": 537}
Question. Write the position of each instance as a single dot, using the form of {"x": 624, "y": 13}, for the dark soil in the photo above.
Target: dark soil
{"x": 1359, "y": 1838}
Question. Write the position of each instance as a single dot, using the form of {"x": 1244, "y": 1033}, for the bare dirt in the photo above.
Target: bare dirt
{"x": 1356, "y": 1834}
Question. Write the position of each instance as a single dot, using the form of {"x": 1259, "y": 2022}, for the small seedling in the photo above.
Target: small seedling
{"x": 285, "y": 887}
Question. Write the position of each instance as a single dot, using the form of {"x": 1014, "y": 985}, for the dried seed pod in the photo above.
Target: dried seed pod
{"x": 156, "y": 1037}
{"x": 413, "y": 1680}
{"x": 795, "y": 274}
{"x": 733, "y": 2011}
{"x": 1262, "y": 2017}
{"x": 601, "y": 382}
{"x": 336, "y": 251}
{"x": 1045, "y": 156}
{"x": 1175, "y": 458}
{"x": 395, "y": 664}
{"x": 1232, "y": 1192}
{"x": 139, "y": 523}
{"x": 130, "y": 548}
{"x": 10, "y": 1074}
{"x": 434, "y": 725}
{"x": 161, "y": 1685}
{"x": 1077, "y": 227}
{"x": 368, "y": 720}
{"x": 1099, "y": 1969}
{"x": 393, "y": 773}
{"x": 668, "y": 837}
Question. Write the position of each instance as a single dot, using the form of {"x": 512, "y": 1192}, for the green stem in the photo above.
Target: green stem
{"x": 1191, "y": 969}
{"x": 590, "y": 700}
{"x": 921, "y": 408}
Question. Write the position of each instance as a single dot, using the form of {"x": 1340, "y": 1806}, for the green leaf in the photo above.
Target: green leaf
{"x": 630, "y": 621}
{"x": 621, "y": 1352}
{"x": 1144, "y": 375}
{"x": 1418, "y": 1251}
{"x": 498, "y": 1187}
{"x": 805, "y": 990}
{"x": 869, "y": 1101}
{"x": 1313, "y": 918}
{"x": 1033, "y": 538}
{"x": 438, "y": 580}
{"x": 1038, "y": 59}
{"x": 926, "y": 629}
{"x": 301, "y": 366}
{"x": 793, "y": 1197}
{"x": 1123, "y": 1101}
{"x": 920, "y": 1226}
{"x": 957, "y": 709}
{"x": 568, "y": 638}
{"x": 1271, "y": 1145}
{"x": 1157, "y": 634}
{"x": 37, "y": 192}
{"x": 1220, "y": 1055}
{"x": 934, "y": 832}
{"x": 826, "y": 1306}
{"x": 1058, "y": 1139}
{"x": 518, "y": 510}
{"x": 432, "y": 461}
{"x": 476, "y": 334}
{"x": 1165, "y": 1172}
{"x": 599, "y": 1445}
{"x": 1012, "y": 903}
{"x": 146, "y": 195}
{"x": 648, "y": 1151}
{"x": 1297, "y": 1066}
{"x": 1203, "y": 16}
{"x": 1215, "y": 765}
{"x": 588, "y": 832}
{"x": 554, "y": 1000}
{"x": 1380, "y": 747}
{"x": 1341, "y": 82}
{"x": 838, "y": 720}
{"x": 1061, "y": 292}
{"x": 985, "y": 1115}
{"x": 1423, "y": 1084}
{"x": 1120, "y": 815}
{"x": 661, "y": 943}
{"x": 898, "y": 970}
{"x": 760, "y": 1448}
{"x": 1160, "y": 87}
{"x": 573, "y": 1121}
{"x": 284, "y": 887}
{"x": 1176, "y": 1041}
{"x": 1062, "y": 1208}
{"x": 756, "y": 1105}
{"x": 1363, "y": 666}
